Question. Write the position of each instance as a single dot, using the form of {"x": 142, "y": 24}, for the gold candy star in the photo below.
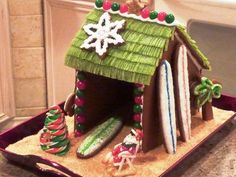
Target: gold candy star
{"x": 135, "y": 6}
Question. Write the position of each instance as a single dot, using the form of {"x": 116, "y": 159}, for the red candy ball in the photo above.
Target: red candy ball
{"x": 138, "y": 100}
{"x": 161, "y": 16}
{"x": 107, "y": 5}
{"x": 81, "y": 85}
{"x": 78, "y": 133}
{"x": 137, "y": 117}
{"x": 124, "y": 8}
{"x": 145, "y": 13}
{"x": 139, "y": 85}
{"x": 79, "y": 102}
{"x": 80, "y": 119}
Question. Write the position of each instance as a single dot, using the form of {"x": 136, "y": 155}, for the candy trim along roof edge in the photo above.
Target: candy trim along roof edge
{"x": 175, "y": 23}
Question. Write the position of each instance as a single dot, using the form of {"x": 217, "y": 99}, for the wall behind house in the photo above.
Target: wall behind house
{"x": 28, "y": 56}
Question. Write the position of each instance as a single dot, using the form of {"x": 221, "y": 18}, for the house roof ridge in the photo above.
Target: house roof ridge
{"x": 139, "y": 17}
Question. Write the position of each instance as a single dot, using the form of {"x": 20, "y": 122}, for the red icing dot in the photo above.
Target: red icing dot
{"x": 145, "y": 13}
{"x": 79, "y": 102}
{"x": 137, "y": 117}
{"x": 80, "y": 119}
{"x": 161, "y": 16}
{"x": 124, "y": 8}
{"x": 107, "y": 5}
{"x": 81, "y": 85}
{"x": 138, "y": 100}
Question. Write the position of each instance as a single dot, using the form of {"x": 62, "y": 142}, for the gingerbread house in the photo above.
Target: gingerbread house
{"x": 142, "y": 68}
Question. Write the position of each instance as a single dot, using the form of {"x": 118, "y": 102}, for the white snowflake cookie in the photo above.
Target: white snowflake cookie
{"x": 103, "y": 34}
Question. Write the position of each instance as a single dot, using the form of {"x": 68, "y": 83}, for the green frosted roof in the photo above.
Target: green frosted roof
{"x": 133, "y": 61}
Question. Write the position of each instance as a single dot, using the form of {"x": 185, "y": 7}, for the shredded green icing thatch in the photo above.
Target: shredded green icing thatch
{"x": 134, "y": 61}
{"x": 192, "y": 43}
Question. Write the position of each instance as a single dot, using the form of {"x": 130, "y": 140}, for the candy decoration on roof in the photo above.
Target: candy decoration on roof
{"x": 161, "y": 16}
{"x": 153, "y": 15}
{"x": 115, "y": 6}
{"x": 79, "y": 104}
{"x": 145, "y": 13}
{"x": 103, "y": 34}
{"x": 106, "y": 5}
{"x": 170, "y": 18}
{"x": 54, "y": 138}
{"x": 124, "y": 8}
{"x": 99, "y": 3}
{"x": 135, "y": 7}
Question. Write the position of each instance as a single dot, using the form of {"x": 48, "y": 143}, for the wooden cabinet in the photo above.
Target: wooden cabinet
{"x": 63, "y": 18}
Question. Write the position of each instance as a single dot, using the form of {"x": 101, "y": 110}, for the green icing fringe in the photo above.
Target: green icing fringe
{"x": 110, "y": 61}
{"x": 134, "y": 61}
{"x": 193, "y": 44}
{"x": 110, "y": 72}
{"x": 130, "y": 52}
{"x": 135, "y": 38}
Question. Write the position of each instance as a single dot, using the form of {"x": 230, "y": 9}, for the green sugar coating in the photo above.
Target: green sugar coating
{"x": 99, "y": 3}
{"x": 170, "y": 18}
{"x": 153, "y": 15}
{"x": 137, "y": 58}
{"x": 99, "y": 136}
{"x": 134, "y": 61}
{"x": 115, "y": 6}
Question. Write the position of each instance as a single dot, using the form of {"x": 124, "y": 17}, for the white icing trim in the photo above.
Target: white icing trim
{"x": 106, "y": 34}
{"x": 184, "y": 92}
{"x": 175, "y": 23}
{"x": 167, "y": 106}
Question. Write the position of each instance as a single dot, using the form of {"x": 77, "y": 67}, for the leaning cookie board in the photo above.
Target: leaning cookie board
{"x": 159, "y": 164}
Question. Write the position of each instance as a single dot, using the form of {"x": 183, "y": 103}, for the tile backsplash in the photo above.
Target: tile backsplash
{"x": 28, "y": 55}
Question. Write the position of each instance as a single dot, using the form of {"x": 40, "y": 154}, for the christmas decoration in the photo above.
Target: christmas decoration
{"x": 103, "y": 34}
{"x": 125, "y": 152}
{"x": 54, "y": 138}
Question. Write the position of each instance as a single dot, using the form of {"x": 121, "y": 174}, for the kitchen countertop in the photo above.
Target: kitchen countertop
{"x": 216, "y": 158}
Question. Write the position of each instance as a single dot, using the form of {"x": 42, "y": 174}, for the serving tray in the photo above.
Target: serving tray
{"x": 33, "y": 125}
